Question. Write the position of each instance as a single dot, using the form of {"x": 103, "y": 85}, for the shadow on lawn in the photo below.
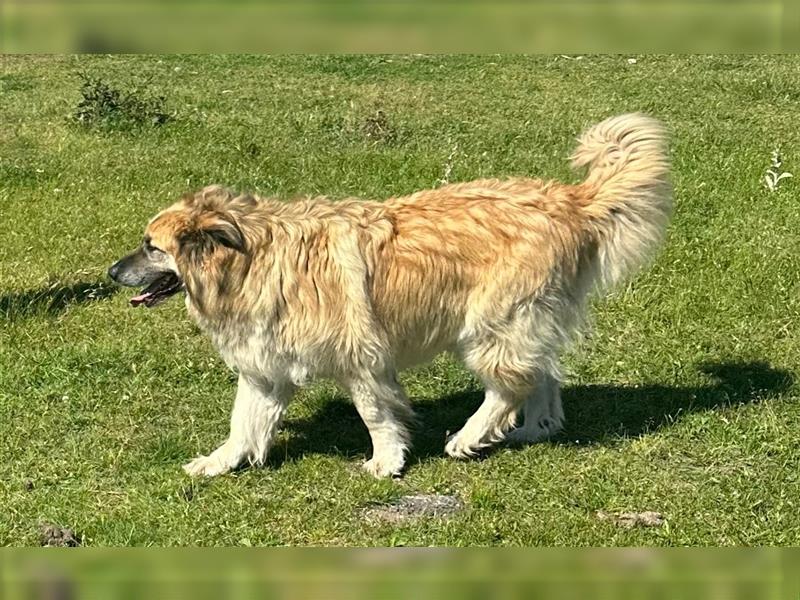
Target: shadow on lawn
{"x": 52, "y": 299}
{"x": 600, "y": 414}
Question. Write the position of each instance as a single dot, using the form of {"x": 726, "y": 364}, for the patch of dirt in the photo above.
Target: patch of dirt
{"x": 413, "y": 507}
{"x": 56, "y": 536}
{"x": 628, "y": 520}
{"x": 376, "y": 127}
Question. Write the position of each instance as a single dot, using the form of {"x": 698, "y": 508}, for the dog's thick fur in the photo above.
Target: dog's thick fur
{"x": 495, "y": 271}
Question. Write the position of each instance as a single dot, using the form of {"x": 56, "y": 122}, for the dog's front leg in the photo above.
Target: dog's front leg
{"x": 382, "y": 404}
{"x": 257, "y": 414}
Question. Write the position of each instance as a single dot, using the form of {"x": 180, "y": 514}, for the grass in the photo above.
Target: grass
{"x": 682, "y": 400}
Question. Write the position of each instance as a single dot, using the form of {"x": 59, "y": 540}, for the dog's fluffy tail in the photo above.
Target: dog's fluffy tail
{"x": 627, "y": 198}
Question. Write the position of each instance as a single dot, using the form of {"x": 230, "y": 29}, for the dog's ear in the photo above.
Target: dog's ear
{"x": 221, "y": 228}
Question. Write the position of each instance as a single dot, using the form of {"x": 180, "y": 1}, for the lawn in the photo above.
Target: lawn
{"x": 682, "y": 399}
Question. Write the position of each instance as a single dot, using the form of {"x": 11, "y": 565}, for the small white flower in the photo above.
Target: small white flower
{"x": 775, "y": 174}
{"x": 448, "y": 166}
{"x": 631, "y": 61}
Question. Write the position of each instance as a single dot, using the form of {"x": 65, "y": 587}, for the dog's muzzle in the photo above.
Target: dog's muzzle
{"x": 133, "y": 271}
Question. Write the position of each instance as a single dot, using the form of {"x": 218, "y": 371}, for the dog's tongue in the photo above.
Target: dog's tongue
{"x": 140, "y": 299}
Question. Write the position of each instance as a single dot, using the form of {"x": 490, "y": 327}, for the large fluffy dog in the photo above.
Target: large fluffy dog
{"x": 495, "y": 271}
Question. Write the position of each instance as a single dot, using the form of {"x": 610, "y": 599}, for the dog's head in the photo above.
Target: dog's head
{"x": 193, "y": 230}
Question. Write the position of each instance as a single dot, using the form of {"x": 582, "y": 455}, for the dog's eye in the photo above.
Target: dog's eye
{"x": 148, "y": 246}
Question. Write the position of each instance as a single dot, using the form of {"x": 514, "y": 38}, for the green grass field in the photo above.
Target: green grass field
{"x": 683, "y": 399}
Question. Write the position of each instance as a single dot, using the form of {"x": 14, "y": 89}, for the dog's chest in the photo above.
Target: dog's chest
{"x": 247, "y": 349}
{"x": 255, "y": 349}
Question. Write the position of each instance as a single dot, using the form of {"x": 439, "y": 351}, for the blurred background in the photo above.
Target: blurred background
{"x": 398, "y": 26}
{"x": 619, "y": 574}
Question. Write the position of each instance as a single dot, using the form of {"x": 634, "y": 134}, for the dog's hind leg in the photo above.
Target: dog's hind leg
{"x": 515, "y": 354}
{"x": 487, "y": 425}
{"x": 384, "y": 408}
{"x": 506, "y": 390}
{"x": 543, "y": 413}
{"x": 503, "y": 357}
{"x": 257, "y": 414}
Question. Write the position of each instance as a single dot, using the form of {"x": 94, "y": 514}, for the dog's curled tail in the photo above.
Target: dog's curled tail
{"x": 626, "y": 197}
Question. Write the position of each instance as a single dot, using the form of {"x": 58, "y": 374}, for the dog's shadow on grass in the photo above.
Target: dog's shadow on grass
{"x": 595, "y": 414}
{"x": 52, "y": 299}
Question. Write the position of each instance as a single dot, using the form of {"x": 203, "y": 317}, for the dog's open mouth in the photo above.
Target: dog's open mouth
{"x": 158, "y": 291}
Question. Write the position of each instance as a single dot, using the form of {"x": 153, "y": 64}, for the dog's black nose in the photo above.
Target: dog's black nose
{"x": 113, "y": 271}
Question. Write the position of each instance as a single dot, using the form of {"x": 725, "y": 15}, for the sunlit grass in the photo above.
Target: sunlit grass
{"x": 682, "y": 400}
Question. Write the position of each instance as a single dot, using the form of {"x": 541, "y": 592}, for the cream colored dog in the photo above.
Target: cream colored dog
{"x": 496, "y": 271}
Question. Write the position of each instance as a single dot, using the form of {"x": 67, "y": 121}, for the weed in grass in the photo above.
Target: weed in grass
{"x": 105, "y": 106}
{"x": 13, "y": 82}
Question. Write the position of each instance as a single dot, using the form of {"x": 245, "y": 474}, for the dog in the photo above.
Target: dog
{"x": 497, "y": 272}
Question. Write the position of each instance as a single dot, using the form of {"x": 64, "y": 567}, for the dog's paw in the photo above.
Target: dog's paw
{"x": 540, "y": 431}
{"x": 385, "y": 466}
{"x": 456, "y": 447}
{"x": 206, "y": 466}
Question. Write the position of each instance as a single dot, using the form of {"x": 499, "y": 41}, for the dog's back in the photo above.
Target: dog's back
{"x": 466, "y": 260}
